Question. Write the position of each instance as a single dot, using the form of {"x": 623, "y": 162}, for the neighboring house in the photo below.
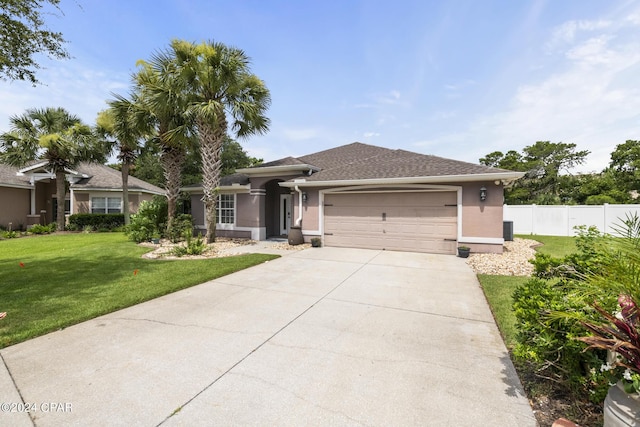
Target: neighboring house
{"x": 364, "y": 196}
{"x": 28, "y": 195}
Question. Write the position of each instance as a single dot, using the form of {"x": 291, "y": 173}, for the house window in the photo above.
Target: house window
{"x": 226, "y": 209}
{"x": 106, "y": 205}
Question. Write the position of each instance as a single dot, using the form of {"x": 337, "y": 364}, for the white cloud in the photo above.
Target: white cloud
{"x": 82, "y": 91}
{"x": 568, "y": 31}
{"x": 592, "y": 99}
{"x": 370, "y": 134}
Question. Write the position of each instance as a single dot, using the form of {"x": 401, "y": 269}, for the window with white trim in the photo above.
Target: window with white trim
{"x": 226, "y": 209}
{"x": 106, "y": 205}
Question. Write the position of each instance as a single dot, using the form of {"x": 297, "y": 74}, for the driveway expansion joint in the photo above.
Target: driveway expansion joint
{"x": 16, "y": 387}
{"x": 428, "y": 313}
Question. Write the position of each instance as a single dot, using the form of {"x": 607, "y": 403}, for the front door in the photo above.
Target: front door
{"x": 285, "y": 214}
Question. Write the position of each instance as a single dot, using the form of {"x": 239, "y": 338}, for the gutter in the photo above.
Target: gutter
{"x": 500, "y": 178}
{"x": 299, "y": 219}
{"x": 269, "y": 170}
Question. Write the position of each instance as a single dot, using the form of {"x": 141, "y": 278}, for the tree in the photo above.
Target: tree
{"x": 220, "y": 89}
{"x": 161, "y": 104}
{"x": 23, "y": 34}
{"x": 120, "y": 132}
{"x": 625, "y": 165}
{"x": 510, "y": 161}
{"x": 149, "y": 168}
{"x": 233, "y": 157}
{"x": 51, "y": 135}
{"x": 543, "y": 162}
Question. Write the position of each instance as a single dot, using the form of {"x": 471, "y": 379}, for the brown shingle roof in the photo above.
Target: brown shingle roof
{"x": 104, "y": 177}
{"x": 100, "y": 177}
{"x": 8, "y": 177}
{"x": 287, "y": 161}
{"x": 362, "y": 161}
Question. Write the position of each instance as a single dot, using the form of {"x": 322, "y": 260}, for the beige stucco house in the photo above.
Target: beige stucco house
{"x": 28, "y": 195}
{"x": 365, "y": 196}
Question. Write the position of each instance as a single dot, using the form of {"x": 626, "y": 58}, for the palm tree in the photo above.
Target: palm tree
{"x": 220, "y": 90}
{"x": 119, "y": 131}
{"x": 160, "y": 103}
{"x": 54, "y": 136}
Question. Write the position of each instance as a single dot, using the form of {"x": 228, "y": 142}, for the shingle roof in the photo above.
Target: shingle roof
{"x": 104, "y": 177}
{"x": 100, "y": 177}
{"x": 8, "y": 177}
{"x": 362, "y": 161}
{"x": 287, "y": 161}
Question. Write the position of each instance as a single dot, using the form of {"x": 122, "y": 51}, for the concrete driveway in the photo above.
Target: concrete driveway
{"x": 319, "y": 337}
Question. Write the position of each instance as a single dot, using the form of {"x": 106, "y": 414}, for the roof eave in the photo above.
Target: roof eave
{"x": 234, "y": 188}
{"x": 502, "y": 177}
{"x": 277, "y": 170}
{"x": 117, "y": 189}
{"x": 21, "y": 186}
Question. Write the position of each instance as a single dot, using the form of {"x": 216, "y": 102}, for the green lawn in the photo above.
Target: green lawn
{"x": 499, "y": 289}
{"x": 50, "y": 282}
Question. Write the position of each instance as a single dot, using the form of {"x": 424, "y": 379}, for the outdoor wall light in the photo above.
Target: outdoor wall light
{"x": 483, "y": 194}
{"x": 304, "y": 196}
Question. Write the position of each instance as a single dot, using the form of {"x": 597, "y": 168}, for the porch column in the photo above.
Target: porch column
{"x": 33, "y": 198}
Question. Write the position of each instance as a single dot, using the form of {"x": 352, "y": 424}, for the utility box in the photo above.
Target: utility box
{"x": 507, "y": 231}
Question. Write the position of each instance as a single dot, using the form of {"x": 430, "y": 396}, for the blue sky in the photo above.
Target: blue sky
{"x": 457, "y": 79}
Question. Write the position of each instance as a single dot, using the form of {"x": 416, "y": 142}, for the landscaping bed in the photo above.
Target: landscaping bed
{"x": 500, "y": 275}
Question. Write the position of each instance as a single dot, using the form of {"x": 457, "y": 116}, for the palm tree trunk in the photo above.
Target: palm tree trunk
{"x": 172, "y": 160}
{"x": 60, "y": 195}
{"x": 125, "y": 192}
{"x": 211, "y": 140}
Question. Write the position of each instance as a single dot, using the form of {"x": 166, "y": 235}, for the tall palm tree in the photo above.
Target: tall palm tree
{"x": 120, "y": 132}
{"x": 160, "y": 102}
{"x": 221, "y": 92}
{"x": 54, "y": 136}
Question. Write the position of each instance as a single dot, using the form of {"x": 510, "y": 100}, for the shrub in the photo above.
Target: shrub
{"x": 549, "y": 342}
{"x": 102, "y": 222}
{"x": 10, "y": 234}
{"x": 179, "y": 226}
{"x": 192, "y": 246}
{"x": 43, "y": 229}
{"x": 150, "y": 220}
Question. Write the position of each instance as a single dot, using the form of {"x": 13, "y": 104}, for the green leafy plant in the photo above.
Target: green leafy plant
{"x": 615, "y": 327}
{"x": 149, "y": 221}
{"x": 179, "y": 226}
{"x": 43, "y": 229}
{"x": 191, "y": 246}
{"x": 316, "y": 242}
{"x": 547, "y": 342}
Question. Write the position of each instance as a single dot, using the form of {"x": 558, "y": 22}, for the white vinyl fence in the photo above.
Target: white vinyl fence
{"x": 560, "y": 220}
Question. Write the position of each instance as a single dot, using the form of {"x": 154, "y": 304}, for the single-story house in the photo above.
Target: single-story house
{"x": 28, "y": 195}
{"x": 364, "y": 196}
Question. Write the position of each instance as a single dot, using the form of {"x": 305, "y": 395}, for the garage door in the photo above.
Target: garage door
{"x": 415, "y": 221}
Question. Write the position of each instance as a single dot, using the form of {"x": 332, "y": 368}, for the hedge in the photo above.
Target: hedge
{"x": 96, "y": 221}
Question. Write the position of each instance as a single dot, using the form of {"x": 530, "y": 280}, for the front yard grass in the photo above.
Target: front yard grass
{"x": 51, "y": 282}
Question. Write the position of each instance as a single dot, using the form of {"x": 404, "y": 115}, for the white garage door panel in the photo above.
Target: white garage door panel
{"x": 423, "y": 222}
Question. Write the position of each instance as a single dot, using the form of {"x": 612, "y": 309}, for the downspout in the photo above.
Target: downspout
{"x": 299, "y": 219}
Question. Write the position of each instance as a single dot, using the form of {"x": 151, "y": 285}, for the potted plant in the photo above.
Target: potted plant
{"x": 463, "y": 251}
{"x": 620, "y": 336}
{"x": 155, "y": 239}
{"x": 316, "y": 242}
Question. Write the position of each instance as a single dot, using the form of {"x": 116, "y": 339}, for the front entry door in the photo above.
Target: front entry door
{"x": 285, "y": 214}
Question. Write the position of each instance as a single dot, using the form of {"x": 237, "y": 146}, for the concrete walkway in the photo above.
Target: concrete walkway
{"x": 318, "y": 337}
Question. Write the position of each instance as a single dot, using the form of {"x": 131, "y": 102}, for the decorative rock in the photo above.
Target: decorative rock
{"x": 514, "y": 261}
